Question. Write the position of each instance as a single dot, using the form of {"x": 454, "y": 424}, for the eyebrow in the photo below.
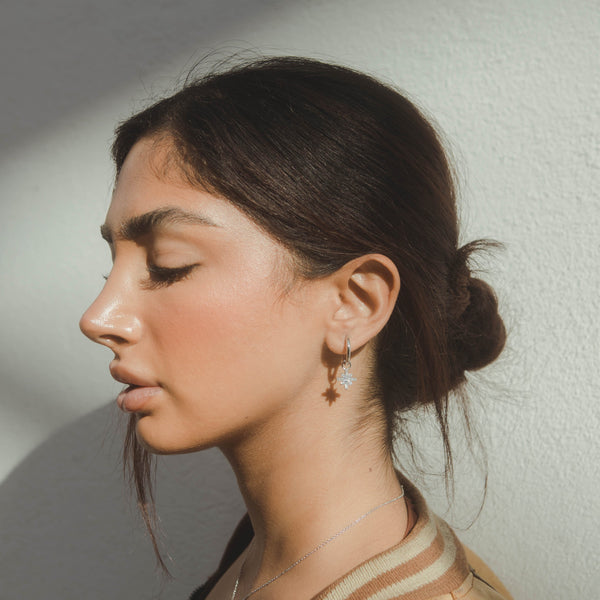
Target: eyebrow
{"x": 136, "y": 227}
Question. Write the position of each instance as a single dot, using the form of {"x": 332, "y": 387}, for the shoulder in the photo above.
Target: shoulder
{"x": 484, "y": 575}
{"x": 473, "y": 588}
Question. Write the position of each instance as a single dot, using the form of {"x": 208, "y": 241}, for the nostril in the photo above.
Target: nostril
{"x": 112, "y": 340}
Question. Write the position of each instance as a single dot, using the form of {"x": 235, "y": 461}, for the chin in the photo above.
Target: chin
{"x": 157, "y": 440}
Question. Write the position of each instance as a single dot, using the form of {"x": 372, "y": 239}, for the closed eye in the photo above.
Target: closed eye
{"x": 165, "y": 276}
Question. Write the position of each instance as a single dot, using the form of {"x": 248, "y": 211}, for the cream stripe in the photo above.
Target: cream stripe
{"x": 385, "y": 562}
{"x": 427, "y": 575}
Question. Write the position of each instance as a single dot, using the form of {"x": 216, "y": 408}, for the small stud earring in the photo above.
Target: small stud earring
{"x": 346, "y": 378}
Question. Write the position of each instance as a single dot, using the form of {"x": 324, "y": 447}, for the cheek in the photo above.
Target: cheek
{"x": 228, "y": 361}
{"x": 227, "y": 343}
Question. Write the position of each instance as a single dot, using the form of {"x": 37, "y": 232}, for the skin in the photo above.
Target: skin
{"x": 242, "y": 354}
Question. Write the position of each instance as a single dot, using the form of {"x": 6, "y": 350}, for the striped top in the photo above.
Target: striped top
{"x": 428, "y": 564}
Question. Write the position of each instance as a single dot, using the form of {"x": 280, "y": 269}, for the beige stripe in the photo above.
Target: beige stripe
{"x": 427, "y": 575}
{"x": 375, "y": 567}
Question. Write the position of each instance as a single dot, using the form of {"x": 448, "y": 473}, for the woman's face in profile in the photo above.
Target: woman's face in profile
{"x": 195, "y": 311}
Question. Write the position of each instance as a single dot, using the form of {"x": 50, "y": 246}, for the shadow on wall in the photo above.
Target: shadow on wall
{"x": 56, "y": 57}
{"x": 70, "y": 531}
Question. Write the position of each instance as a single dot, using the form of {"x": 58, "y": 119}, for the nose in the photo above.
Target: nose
{"x": 111, "y": 320}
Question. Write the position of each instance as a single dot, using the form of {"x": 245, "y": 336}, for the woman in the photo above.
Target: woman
{"x": 287, "y": 283}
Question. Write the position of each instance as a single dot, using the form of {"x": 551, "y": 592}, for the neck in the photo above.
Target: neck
{"x": 306, "y": 476}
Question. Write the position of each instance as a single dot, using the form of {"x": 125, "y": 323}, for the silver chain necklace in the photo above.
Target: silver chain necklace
{"x": 315, "y": 549}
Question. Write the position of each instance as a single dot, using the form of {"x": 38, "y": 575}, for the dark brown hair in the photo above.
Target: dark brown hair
{"x": 334, "y": 165}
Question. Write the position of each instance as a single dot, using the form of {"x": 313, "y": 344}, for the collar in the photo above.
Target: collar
{"x": 429, "y": 562}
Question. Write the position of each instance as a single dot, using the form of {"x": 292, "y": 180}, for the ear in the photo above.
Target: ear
{"x": 367, "y": 288}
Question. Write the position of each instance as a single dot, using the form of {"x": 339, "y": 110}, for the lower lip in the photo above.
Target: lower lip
{"x": 133, "y": 399}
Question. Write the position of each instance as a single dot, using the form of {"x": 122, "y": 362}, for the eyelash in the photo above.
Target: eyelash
{"x": 164, "y": 276}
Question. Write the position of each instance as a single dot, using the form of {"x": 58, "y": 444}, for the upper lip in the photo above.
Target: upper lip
{"x": 121, "y": 374}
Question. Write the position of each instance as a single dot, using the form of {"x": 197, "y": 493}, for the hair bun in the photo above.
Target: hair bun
{"x": 476, "y": 331}
{"x": 458, "y": 282}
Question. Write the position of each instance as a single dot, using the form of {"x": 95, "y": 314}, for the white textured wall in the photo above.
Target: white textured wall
{"x": 515, "y": 87}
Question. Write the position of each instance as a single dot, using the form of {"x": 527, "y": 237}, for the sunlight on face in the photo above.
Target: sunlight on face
{"x": 195, "y": 313}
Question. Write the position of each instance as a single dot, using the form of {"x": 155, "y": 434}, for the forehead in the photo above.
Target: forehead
{"x": 149, "y": 180}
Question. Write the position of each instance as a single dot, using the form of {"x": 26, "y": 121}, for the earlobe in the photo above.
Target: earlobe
{"x": 367, "y": 289}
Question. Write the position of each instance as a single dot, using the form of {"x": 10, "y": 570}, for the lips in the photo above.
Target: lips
{"x": 139, "y": 391}
{"x": 136, "y": 399}
{"x": 122, "y": 375}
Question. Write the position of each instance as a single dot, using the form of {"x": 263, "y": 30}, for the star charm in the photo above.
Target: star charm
{"x": 346, "y": 379}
